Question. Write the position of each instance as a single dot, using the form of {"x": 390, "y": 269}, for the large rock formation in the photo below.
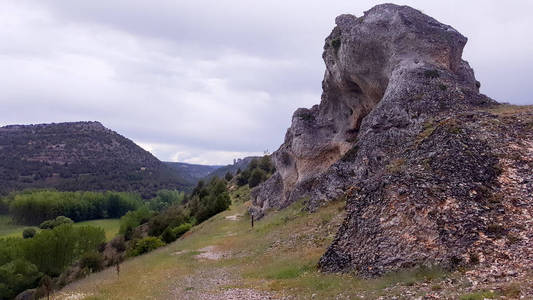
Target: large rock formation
{"x": 404, "y": 135}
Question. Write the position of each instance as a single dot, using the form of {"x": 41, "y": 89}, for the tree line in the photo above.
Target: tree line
{"x": 34, "y": 207}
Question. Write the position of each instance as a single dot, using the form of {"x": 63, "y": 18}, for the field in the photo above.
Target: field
{"x": 225, "y": 257}
{"x": 7, "y": 229}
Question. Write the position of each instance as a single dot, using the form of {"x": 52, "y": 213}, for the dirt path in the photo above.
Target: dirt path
{"x": 213, "y": 283}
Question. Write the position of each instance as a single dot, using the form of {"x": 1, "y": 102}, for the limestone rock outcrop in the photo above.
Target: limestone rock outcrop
{"x": 403, "y": 134}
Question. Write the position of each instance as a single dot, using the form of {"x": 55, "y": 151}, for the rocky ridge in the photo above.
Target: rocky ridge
{"x": 433, "y": 172}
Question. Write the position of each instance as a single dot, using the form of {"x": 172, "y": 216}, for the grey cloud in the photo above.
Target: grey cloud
{"x": 203, "y": 81}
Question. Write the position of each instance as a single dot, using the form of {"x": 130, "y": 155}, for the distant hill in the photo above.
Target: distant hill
{"x": 191, "y": 173}
{"x": 79, "y": 156}
{"x": 239, "y": 164}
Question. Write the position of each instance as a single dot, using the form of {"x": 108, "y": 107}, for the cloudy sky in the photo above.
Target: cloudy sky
{"x": 206, "y": 81}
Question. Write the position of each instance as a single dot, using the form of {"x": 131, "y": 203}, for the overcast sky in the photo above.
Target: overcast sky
{"x": 208, "y": 81}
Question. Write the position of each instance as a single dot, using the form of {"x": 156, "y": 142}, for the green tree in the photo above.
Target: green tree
{"x": 257, "y": 176}
{"x": 53, "y": 250}
{"x": 265, "y": 164}
{"x": 17, "y": 276}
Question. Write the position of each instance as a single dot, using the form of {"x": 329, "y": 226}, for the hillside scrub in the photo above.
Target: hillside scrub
{"x": 34, "y": 207}
{"x": 258, "y": 171}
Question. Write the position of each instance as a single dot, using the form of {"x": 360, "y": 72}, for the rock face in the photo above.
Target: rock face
{"x": 403, "y": 134}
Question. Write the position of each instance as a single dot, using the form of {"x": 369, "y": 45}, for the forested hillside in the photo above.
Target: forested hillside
{"x": 79, "y": 156}
{"x": 191, "y": 173}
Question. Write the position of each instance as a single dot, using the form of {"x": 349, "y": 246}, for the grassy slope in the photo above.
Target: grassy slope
{"x": 7, "y": 229}
{"x": 278, "y": 257}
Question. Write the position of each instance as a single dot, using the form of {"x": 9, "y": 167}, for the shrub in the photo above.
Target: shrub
{"x": 214, "y": 200}
{"x": 145, "y": 245}
{"x": 253, "y": 164}
{"x": 168, "y": 236}
{"x": 51, "y": 224}
{"x": 165, "y": 199}
{"x": 17, "y": 276}
{"x": 134, "y": 218}
{"x": 171, "y": 217}
{"x": 28, "y": 233}
{"x": 265, "y": 164}
{"x": 243, "y": 177}
{"x": 256, "y": 178}
{"x": 180, "y": 230}
{"x": 93, "y": 261}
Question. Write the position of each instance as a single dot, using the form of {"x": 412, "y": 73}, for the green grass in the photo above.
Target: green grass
{"x": 110, "y": 226}
{"x": 8, "y": 229}
{"x": 478, "y": 295}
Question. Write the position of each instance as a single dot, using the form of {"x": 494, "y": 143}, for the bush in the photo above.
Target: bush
{"x": 165, "y": 199}
{"x": 93, "y": 261}
{"x": 215, "y": 199}
{"x": 28, "y": 233}
{"x": 171, "y": 217}
{"x": 180, "y": 230}
{"x": 257, "y": 177}
{"x": 17, "y": 276}
{"x": 134, "y": 218}
{"x": 51, "y": 224}
{"x": 243, "y": 177}
{"x": 265, "y": 164}
{"x": 145, "y": 245}
{"x": 168, "y": 236}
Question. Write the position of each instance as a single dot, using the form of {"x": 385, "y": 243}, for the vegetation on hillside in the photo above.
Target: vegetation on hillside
{"x": 257, "y": 171}
{"x": 205, "y": 201}
{"x": 275, "y": 258}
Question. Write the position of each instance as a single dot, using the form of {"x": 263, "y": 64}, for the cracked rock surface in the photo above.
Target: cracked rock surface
{"x": 433, "y": 172}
